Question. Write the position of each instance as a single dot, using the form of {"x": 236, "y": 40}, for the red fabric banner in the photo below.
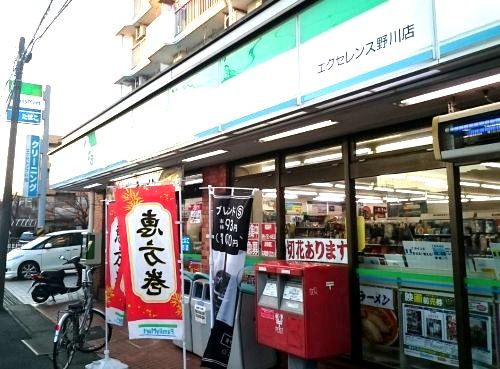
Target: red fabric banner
{"x": 115, "y": 295}
{"x": 147, "y": 219}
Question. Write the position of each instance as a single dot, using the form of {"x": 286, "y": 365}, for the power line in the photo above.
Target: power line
{"x": 39, "y": 24}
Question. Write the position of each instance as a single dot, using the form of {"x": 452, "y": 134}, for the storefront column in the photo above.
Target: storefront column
{"x": 459, "y": 271}
{"x": 280, "y": 208}
{"x": 216, "y": 176}
{"x": 352, "y": 238}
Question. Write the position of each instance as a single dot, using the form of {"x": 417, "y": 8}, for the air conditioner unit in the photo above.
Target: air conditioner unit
{"x": 237, "y": 14}
{"x": 140, "y": 32}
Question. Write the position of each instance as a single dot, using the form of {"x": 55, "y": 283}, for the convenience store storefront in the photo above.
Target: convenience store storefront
{"x": 418, "y": 234}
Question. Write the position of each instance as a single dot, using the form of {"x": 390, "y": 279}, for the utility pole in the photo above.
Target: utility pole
{"x": 6, "y": 211}
{"x": 44, "y": 172}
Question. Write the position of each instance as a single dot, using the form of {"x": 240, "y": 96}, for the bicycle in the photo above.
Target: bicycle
{"x": 81, "y": 326}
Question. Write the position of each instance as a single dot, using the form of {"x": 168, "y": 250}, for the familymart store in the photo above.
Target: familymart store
{"x": 328, "y": 110}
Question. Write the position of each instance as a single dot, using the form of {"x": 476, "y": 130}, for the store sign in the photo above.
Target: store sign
{"x": 400, "y": 37}
{"x": 430, "y": 328}
{"x": 30, "y": 103}
{"x": 253, "y": 239}
{"x": 376, "y": 296}
{"x": 31, "y": 168}
{"x": 326, "y": 250}
{"x": 268, "y": 239}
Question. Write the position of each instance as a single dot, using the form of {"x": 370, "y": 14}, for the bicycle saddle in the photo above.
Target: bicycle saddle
{"x": 76, "y": 306}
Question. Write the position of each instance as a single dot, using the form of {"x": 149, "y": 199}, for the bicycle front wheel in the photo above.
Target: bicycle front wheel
{"x": 94, "y": 332}
{"x": 65, "y": 343}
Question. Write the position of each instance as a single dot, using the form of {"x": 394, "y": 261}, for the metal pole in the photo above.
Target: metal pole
{"x": 44, "y": 172}
{"x": 184, "y": 356}
{"x": 6, "y": 212}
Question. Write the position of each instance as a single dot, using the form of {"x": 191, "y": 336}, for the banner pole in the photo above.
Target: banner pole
{"x": 211, "y": 259}
{"x": 106, "y": 348}
{"x": 184, "y": 358}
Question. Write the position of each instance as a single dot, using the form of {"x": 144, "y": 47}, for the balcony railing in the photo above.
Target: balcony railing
{"x": 190, "y": 11}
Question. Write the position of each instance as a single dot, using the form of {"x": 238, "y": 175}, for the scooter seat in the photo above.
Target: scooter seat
{"x": 57, "y": 274}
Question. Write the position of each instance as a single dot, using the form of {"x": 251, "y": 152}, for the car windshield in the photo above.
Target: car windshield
{"x": 32, "y": 244}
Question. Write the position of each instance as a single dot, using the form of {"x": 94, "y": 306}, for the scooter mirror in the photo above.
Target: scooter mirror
{"x": 62, "y": 257}
{"x": 48, "y": 245}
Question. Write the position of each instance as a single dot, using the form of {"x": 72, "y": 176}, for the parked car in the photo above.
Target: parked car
{"x": 44, "y": 252}
{"x": 26, "y": 237}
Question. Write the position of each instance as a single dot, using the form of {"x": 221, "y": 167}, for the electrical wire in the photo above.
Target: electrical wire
{"x": 30, "y": 44}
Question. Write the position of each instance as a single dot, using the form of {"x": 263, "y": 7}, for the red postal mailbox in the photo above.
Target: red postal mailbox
{"x": 303, "y": 308}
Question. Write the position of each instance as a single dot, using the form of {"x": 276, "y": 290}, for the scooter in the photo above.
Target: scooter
{"x": 50, "y": 283}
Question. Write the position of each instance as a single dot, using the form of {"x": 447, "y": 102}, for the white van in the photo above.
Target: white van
{"x": 44, "y": 252}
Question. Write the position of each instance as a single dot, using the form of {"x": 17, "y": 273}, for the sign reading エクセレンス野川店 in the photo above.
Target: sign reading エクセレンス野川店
{"x": 147, "y": 221}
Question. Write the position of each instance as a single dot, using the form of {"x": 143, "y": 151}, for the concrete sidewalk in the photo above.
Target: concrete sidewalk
{"x": 35, "y": 325}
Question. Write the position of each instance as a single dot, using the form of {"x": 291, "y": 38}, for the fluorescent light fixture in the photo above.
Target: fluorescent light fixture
{"x": 339, "y": 185}
{"x": 364, "y": 151}
{"x": 297, "y": 131}
{"x": 385, "y": 138}
{"x": 329, "y": 199}
{"x": 469, "y": 184}
{"x": 436, "y": 197}
{"x": 368, "y": 197}
{"x": 303, "y": 193}
{"x": 363, "y": 187}
{"x": 370, "y": 201}
{"x": 193, "y": 181}
{"x": 452, "y": 90}
{"x": 93, "y": 185}
{"x": 334, "y": 194}
{"x": 465, "y": 200}
{"x": 269, "y": 195}
{"x": 490, "y": 186}
{"x": 414, "y": 192}
{"x": 292, "y": 164}
{"x": 383, "y": 189}
{"x": 268, "y": 168}
{"x": 417, "y": 198}
{"x": 321, "y": 184}
{"x": 203, "y": 156}
{"x": 264, "y": 190}
{"x": 322, "y": 158}
{"x": 395, "y": 199}
{"x": 289, "y": 196}
{"x": 438, "y": 201}
{"x": 491, "y": 165}
{"x": 421, "y": 141}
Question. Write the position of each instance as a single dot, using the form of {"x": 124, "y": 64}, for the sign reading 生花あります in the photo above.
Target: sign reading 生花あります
{"x": 325, "y": 250}
{"x": 147, "y": 218}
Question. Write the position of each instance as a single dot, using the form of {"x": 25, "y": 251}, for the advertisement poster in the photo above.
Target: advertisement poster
{"x": 268, "y": 239}
{"x": 230, "y": 224}
{"x": 115, "y": 294}
{"x": 430, "y": 332}
{"x": 379, "y": 319}
{"x": 253, "y": 239}
{"x": 428, "y": 254}
{"x": 325, "y": 250}
{"x": 195, "y": 213}
{"x": 147, "y": 220}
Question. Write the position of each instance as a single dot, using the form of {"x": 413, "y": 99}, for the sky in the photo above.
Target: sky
{"x": 80, "y": 57}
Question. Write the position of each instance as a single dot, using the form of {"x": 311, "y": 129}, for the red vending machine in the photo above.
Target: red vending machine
{"x": 303, "y": 308}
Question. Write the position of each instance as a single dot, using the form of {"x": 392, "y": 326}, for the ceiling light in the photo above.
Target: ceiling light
{"x": 411, "y": 191}
{"x": 364, "y": 151}
{"x": 264, "y": 190}
{"x": 469, "y": 184}
{"x": 289, "y": 196}
{"x": 439, "y": 201}
{"x": 269, "y": 195}
{"x": 436, "y": 197}
{"x": 292, "y": 164}
{"x": 452, "y": 90}
{"x": 421, "y": 141}
{"x": 322, "y": 158}
{"x": 384, "y": 189}
{"x": 363, "y": 187}
{"x": 203, "y": 156}
{"x": 321, "y": 184}
{"x": 297, "y": 131}
{"x": 417, "y": 199}
{"x": 370, "y": 201}
{"x": 268, "y": 168}
{"x": 193, "y": 181}
{"x": 329, "y": 199}
{"x": 490, "y": 186}
{"x": 93, "y": 185}
{"x": 492, "y": 165}
{"x": 339, "y": 185}
{"x": 385, "y": 138}
{"x": 304, "y": 193}
{"x": 367, "y": 197}
{"x": 334, "y": 194}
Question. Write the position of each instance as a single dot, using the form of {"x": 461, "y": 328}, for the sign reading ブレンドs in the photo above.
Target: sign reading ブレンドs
{"x": 30, "y": 104}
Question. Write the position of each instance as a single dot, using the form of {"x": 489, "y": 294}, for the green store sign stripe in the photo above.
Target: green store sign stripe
{"x": 28, "y": 88}
{"x": 327, "y": 14}
{"x": 158, "y": 325}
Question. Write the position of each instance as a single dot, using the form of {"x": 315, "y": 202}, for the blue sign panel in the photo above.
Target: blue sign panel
{"x": 26, "y": 115}
{"x": 31, "y": 167}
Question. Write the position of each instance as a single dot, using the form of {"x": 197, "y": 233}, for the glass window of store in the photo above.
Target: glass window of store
{"x": 315, "y": 206}
{"x": 192, "y": 205}
{"x": 405, "y": 260}
{"x": 480, "y": 198}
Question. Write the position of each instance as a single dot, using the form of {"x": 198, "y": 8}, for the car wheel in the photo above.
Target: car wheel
{"x": 27, "y": 269}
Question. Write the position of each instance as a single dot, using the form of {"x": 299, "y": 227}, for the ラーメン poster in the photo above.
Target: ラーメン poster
{"x": 147, "y": 220}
